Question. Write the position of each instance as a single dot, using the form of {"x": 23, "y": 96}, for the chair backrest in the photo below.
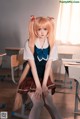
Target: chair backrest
{"x": 16, "y": 60}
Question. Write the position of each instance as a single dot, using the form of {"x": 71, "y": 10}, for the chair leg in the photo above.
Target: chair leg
{"x": 64, "y": 83}
{"x": 77, "y": 100}
{"x": 22, "y": 113}
{"x": 12, "y": 74}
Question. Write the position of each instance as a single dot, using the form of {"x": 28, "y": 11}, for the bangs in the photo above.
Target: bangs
{"x": 41, "y": 22}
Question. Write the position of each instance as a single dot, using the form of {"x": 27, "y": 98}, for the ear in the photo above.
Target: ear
{"x": 32, "y": 17}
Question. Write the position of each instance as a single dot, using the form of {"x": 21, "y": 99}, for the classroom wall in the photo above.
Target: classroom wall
{"x": 14, "y": 17}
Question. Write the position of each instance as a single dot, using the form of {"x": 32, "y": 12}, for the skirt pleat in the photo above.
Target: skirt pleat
{"x": 28, "y": 85}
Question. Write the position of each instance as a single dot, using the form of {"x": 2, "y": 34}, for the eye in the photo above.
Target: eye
{"x": 45, "y": 29}
{"x": 39, "y": 29}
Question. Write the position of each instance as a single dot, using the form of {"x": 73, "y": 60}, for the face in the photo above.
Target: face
{"x": 42, "y": 33}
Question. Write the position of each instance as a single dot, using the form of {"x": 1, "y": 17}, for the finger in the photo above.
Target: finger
{"x": 37, "y": 95}
{"x": 46, "y": 93}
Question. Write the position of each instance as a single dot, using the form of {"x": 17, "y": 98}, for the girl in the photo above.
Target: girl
{"x": 39, "y": 52}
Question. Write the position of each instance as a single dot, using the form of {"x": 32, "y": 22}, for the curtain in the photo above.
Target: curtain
{"x": 68, "y": 22}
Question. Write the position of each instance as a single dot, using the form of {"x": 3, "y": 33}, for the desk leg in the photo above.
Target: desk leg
{"x": 77, "y": 100}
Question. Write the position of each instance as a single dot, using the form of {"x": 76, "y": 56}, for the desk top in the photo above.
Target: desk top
{"x": 72, "y": 64}
{"x": 12, "y": 48}
{"x": 73, "y": 68}
{"x": 2, "y": 54}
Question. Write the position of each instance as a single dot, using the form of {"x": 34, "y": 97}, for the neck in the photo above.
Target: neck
{"x": 42, "y": 41}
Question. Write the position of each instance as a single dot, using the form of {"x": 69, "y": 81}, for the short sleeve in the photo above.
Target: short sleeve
{"x": 27, "y": 52}
{"x": 54, "y": 53}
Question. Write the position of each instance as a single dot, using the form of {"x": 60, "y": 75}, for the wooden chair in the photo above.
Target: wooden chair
{"x": 16, "y": 62}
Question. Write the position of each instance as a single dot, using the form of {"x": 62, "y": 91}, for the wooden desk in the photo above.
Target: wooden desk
{"x": 74, "y": 73}
{"x": 2, "y": 54}
{"x": 68, "y": 49}
{"x": 72, "y": 64}
{"x": 12, "y": 51}
{"x": 2, "y": 105}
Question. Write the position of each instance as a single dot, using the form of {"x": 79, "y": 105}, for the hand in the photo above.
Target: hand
{"x": 45, "y": 90}
{"x": 18, "y": 86}
{"x": 38, "y": 93}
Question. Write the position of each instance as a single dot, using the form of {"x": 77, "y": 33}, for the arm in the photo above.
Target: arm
{"x": 47, "y": 69}
{"x": 52, "y": 57}
{"x": 34, "y": 73}
{"x": 28, "y": 55}
{"x": 47, "y": 72}
{"x": 46, "y": 75}
{"x": 24, "y": 73}
{"x": 38, "y": 92}
{"x": 51, "y": 75}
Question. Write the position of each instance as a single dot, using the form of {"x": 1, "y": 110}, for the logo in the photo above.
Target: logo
{"x": 4, "y": 115}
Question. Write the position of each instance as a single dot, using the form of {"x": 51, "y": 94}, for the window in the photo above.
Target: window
{"x": 68, "y": 22}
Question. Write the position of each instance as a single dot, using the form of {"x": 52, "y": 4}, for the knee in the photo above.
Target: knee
{"x": 38, "y": 103}
{"x": 48, "y": 99}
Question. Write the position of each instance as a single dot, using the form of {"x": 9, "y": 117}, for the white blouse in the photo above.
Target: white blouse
{"x": 28, "y": 54}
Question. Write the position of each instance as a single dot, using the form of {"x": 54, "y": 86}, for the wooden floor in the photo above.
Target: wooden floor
{"x": 64, "y": 99}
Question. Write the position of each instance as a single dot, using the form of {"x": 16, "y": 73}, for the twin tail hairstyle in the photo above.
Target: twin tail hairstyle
{"x": 41, "y": 22}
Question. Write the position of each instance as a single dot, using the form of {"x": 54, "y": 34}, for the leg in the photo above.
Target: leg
{"x": 37, "y": 107}
{"x": 51, "y": 107}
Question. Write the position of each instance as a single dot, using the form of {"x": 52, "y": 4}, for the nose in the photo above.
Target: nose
{"x": 42, "y": 31}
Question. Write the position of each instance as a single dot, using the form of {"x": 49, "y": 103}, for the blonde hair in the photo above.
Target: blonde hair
{"x": 41, "y": 22}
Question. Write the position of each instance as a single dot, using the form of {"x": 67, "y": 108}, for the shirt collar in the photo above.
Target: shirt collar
{"x": 37, "y": 43}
